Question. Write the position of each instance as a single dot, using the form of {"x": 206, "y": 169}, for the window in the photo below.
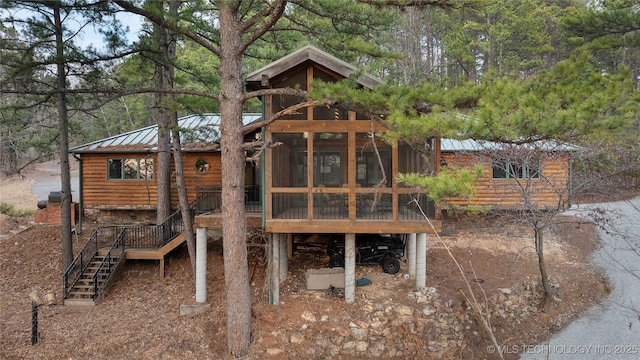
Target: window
{"x": 370, "y": 159}
{"x": 512, "y": 169}
{"x": 130, "y": 169}
{"x": 202, "y": 166}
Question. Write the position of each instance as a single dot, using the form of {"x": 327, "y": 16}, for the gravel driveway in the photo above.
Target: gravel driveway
{"x": 610, "y": 330}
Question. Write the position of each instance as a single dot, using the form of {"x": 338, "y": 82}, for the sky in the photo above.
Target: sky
{"x": 88, "y": 35}
{"x": 132, "y": 21}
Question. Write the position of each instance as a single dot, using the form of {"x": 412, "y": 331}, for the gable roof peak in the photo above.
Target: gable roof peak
{"x": 320, "y": 57}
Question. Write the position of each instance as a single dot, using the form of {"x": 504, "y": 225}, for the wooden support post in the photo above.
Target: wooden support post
{"x": 289, "y": 245}
{"x": 284, "y": 257}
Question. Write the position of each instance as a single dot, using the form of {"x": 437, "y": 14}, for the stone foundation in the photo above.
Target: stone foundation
{"x": 123, "y": 216}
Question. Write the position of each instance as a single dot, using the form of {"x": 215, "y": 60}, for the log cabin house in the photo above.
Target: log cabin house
{"x": 328, "y": 174}
{"x": 116, "y": 174}
{"x": 513, "y": 176}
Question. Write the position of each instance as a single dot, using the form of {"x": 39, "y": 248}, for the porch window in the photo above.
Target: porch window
{"x": 371, "y": 170}
{"x": 130, "y": 169}
{"x": 289, "y": 160}
{"x": 514, "y": 169}
{"x": 329, "y": 159}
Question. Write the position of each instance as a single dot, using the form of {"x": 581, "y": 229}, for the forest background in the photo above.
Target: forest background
{"x": 519, "y": 71}
{"x": 448, "y": 46}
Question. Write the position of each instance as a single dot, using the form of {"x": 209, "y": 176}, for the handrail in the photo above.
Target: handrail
{"x": 126, "y": 236}
{"x": 153, "y": 236}
{"x": 101, "y": 237}
{"x": 98, "y": 283}
{"x": 209, "y": 199}
{"x": 79, "y": 264}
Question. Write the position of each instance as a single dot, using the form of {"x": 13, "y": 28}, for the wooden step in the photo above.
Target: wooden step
{"x": 83, "y": 288}
{"x": 80, "y": 293}
{"x": 78, "y": 302}
{"x": 90, "y": 274}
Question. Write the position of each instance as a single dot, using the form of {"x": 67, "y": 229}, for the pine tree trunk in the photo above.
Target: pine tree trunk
{"x": 161, "y": 81}
{"x": 187, "y": 219}
{"x": 169, "y": 56}
{"x": 65, "y": 215}
{"x": 236, "y": 272}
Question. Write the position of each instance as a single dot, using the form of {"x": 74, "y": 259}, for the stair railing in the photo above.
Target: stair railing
{"x": 116, "y": 251}
{"x": 131, "y": 236}
{"x": 153, "y": 236}
{"x": 101, "y": 237}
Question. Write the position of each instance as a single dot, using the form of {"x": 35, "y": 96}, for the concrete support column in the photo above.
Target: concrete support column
{"x": 284, "y": 256}
{"x": 274, "y": 268}
{"x": 201, "y": 265}
{"x": 411, "y": 254}
{"x": 421, "y": 261}
{"x": 350, "y": 268}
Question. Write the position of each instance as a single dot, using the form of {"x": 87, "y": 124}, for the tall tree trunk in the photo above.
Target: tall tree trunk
{"x": 63, "y": 127}
{"x": 187, "y": 217}
{"x": 170, "y": 122}
{"x": 163, "y": 113}
{"x": 545, "y": 304}
{"x": 236, "y": 273}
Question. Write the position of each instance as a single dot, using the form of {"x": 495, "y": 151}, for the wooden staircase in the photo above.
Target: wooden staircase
{"x": 86, "y": 279}
{"x": 83, "y": 292}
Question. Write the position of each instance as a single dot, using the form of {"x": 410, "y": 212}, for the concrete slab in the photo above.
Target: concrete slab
{"x": 193, "y": 309}
{"x": 322, "y": 279}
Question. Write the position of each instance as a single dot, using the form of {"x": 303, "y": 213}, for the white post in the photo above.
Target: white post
{"x": 274, "y": 270}
{"x": 284, "y": 256}
{"x": 411, "y": 254}
{"x": 421, "y": 261}
{"x": 350, "y": 268}
{"x": 201, "y": 265}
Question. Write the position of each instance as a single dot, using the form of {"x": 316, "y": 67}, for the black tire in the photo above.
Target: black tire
{"x": 336, "y": 261}
{"x": 390, "y": 265}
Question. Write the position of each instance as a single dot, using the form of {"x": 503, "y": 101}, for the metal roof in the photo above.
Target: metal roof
{"x": 197, "y": 133}
{"x": 470, "y": 145}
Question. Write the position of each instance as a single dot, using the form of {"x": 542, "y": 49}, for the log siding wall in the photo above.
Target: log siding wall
{"x": 99, "y": 192}
{"x": 551, "y": 190}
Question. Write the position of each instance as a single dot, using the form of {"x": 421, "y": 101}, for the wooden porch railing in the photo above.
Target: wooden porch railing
{"x": 209, "y": 199}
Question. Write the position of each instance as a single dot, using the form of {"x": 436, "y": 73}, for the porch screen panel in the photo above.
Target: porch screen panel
{"x": 289, "y": 206}
{"x": 415, "y": 207}
{"x": 289, "y": 160}
{"x": 330, "y": 159}
{"x": 413, "y": 161}
{"x": 373, "y": 162}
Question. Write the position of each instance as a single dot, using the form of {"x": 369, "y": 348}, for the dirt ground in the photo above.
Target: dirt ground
{"x": 139, "y": 316}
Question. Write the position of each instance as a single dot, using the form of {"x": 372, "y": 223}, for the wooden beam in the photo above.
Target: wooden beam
{"x": 323, "y": 126}
{"x": 332, "y": 226}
